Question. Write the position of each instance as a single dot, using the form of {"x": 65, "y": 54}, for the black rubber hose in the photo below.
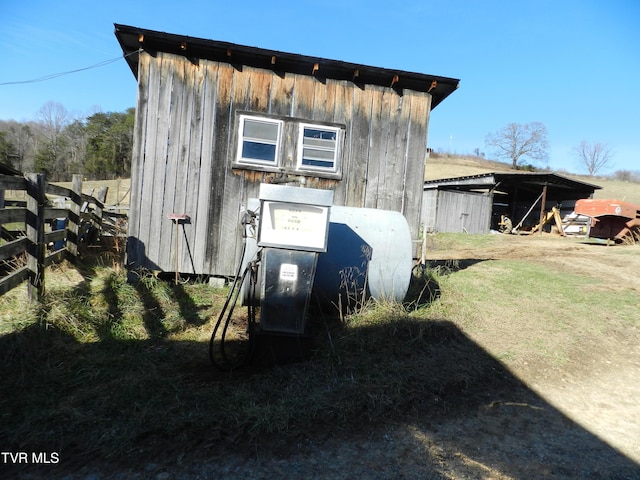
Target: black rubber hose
{"x": 232, "y": 298}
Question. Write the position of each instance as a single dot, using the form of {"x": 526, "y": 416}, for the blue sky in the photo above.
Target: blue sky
{"x": 573, "y": 65}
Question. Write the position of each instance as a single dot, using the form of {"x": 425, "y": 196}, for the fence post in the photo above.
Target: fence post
{"x": 101, "y": 196}
{"x": 1, "y": 206}
{"x": 73, "y": 228}
{"x": 36, "y": 185}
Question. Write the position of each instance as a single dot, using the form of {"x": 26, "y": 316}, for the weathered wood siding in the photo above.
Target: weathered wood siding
{"x": 186, "y": 140}
{"x": 429, "y": 210}
{"x": 460, "y": 211}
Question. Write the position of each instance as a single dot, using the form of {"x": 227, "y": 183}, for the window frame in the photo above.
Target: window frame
{"x": 254, "y": 162}
{"x": 289, "y": 146}
{"x": 300, "y": 146}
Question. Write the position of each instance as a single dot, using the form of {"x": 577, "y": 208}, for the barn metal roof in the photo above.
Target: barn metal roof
{"x": 531, "y": 182}
{"x": 132, "y": 39}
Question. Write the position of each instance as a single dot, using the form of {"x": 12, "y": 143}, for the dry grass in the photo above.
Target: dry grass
{"x": 109, "y": 369}
{"x": 439, "y": 167}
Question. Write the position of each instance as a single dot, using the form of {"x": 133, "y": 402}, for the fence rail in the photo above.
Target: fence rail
{"x": 46, "y": 228}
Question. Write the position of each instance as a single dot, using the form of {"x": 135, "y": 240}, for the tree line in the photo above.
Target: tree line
{"x": 98, "y": 146}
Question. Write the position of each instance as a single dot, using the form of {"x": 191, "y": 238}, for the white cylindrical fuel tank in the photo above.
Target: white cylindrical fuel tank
{"x": 369, "y": 251}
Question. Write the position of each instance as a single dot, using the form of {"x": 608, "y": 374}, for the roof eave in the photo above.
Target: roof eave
{"x": 133, "y": 39}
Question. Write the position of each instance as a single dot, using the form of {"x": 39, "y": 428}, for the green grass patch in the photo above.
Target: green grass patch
{"x": 445, "y": 241}
{"x": 522, "y": 310}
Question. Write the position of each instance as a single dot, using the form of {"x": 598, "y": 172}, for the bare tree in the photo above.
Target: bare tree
{"x": 517, "y": 141}
{"x": 50, "y": 155}
{"x": 594, "y": 156}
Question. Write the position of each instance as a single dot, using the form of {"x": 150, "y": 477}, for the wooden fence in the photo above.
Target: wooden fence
{"x": 46, "y": 228}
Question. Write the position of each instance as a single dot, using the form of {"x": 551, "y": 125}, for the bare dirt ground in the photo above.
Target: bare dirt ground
{"x": 598, "y": 388}
{"x": 577, "y": 420}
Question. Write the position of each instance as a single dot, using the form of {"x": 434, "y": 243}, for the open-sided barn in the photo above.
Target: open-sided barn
{"x": 215, "y": 119}
{"x": 475, "y": 204}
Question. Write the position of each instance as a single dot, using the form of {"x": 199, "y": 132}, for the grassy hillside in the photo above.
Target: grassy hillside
{"x": 447, "y": 167}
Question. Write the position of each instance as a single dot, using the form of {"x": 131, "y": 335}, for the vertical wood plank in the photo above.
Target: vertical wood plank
{"x": 101, "y": 197}
{"x": 281, "y": 100}
{"x": 392, "y": 186}
{"x": 157, "y": 223}
{"x": 219, "y": 95}
{"x": 234, "y": 184}
{"x": 1, "y": 206}
{"x": 303, "y": 93}
{"x": 73, "y": 226}
{"x": 342, "y": 111}
{"x": 151, "y": 161}
{"x": 358, "y": 139}
{"x": 174, "y": 170}
{"x": 323, "y": 101}
{"x": 36, "y": 187}
{"x": 188, "y": 167}
{"x": 203, "y": 167}
{"x": 416, "y": 151}
{"x": 192, "y": 163}
{"x": 378, "y": 140}
{"x": 134, "y": 246}
{"x": 259, "y": 89}
{"x": 180, "y": 155}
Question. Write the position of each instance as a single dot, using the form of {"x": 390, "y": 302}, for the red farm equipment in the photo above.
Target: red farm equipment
{"x": 611, "y": 219}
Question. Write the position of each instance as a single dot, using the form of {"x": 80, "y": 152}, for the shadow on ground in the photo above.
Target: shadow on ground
{"x": 446, "y": 410}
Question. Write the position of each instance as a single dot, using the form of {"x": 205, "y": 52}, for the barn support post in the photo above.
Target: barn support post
{"x": 36, "y": 198}
{"x": 73, "y": 227}
{"x": 542, "y": 205}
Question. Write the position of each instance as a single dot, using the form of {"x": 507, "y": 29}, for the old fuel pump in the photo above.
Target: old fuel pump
{"x": 292, "y": 229}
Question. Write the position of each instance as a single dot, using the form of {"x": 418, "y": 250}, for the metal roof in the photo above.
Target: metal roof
{"x": 491, "y": 180}
{"x": 528, "y": 184}
{"x": 132, "y": 39}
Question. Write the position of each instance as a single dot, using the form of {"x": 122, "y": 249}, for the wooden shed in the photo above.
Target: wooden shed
{"x": 475, "y": 204}
{"x": 215, "y": 119}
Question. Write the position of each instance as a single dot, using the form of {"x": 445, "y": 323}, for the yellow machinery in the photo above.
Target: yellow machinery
{"x": 554, "y": 214}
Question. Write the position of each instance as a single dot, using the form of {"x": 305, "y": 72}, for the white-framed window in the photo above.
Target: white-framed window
{"x": 318, "y": 147}
{"x": 259, "y": 140}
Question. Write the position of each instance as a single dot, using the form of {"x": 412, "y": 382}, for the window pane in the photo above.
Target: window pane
{"x": 261, "y": 130}
{"x": 317, "y": 158}
{"x": 258, "y": 140}
{"x": 328, "y": 144}
{"x": 258, "y": 151}
{"x": 317, "y": 154}
{"x": 317, "y": 133}
{"x": 307, "y": 162}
